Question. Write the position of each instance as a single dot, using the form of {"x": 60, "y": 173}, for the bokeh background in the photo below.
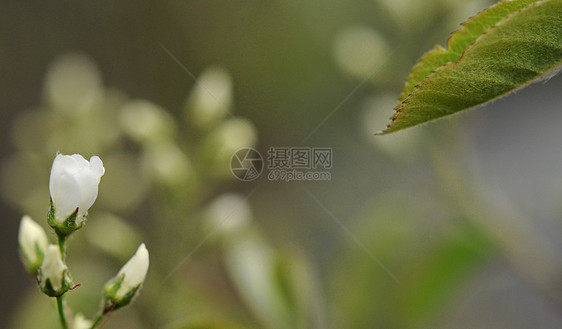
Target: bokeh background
{"x": 454, "y": 224}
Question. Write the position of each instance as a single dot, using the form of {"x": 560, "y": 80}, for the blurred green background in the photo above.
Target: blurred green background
{"x": 455, "y": 224}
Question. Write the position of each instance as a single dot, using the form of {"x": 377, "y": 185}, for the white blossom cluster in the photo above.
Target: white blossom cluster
{"x": 73, "y": 187}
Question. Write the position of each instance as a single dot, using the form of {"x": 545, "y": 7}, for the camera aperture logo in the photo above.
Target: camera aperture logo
{"x": 246, "y": 164}
{"x": 284, "y": 164}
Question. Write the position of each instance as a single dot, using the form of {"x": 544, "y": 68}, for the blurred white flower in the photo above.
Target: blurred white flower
{"x": 80, "y": 322}
{"x": 211, "y": 99}
{"x": 53, "y": 274}
{"x": 146, "y": 122}
{"x": 74, "y": 185}
{"x": 229, "y": 214}
{"x": 120, "y": 290}
{"x": 168, "y": 164}
{"x": 33, "y": 244}
{"x": 360, "y": 51}
{"x": 225, "y": 139}
{"x": 73, "y": 84}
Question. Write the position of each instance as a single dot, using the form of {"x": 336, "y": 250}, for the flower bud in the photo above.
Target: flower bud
{"x": 53, "y": 277}
{"x": 74, "y": 188}
{"x": 120, "y": 290}
{"x": 33, "y": 243}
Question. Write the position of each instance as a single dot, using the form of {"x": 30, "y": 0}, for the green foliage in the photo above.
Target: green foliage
{"x": 438, "y": 276}
{"x": 503, "y": 48}
{"x": 431, "y": 271}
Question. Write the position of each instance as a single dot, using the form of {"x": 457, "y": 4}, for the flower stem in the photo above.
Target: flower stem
{"x": 62, "y": 246}
{"x": 60, "y": 299}
{"x": 97, "y": 321}
{"x": 60, "y": 304}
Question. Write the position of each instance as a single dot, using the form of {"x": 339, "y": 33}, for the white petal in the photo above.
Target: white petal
{"x": 80, "y": 162}
{"x": 96, "y": 165}
{"x": 88, "y": 182}
{"x": 66, "y": 196}
{"x": 62, "y": 164}
{"x": 56, "y": 170}
{"x": 89, "y": 179}
{"x": 53, "y": 267}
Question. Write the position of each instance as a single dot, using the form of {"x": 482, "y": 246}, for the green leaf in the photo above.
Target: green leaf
{"x": 505, "y": 47}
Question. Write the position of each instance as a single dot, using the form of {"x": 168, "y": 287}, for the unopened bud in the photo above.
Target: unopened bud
{"x": 33, "y": 244}
{"x": 54, "y": 278}
{"x": 120, "y": 290}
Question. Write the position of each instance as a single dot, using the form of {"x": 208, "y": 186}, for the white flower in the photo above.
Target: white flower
{"x": 53, "y": 274}
{"x": 33, "y": 243}
{"x": 120, "y": 290}
{"x": 74, "y": 185}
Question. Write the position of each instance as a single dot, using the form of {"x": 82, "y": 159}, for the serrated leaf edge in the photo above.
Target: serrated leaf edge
{"x": 399, "y": 108}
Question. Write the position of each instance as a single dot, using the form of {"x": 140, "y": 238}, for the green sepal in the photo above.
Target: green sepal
{"x": 48, "y": 289}
{"x": 126, "y": 300}
{"x": 111, "y": 302}
{"x": 113, "y": 286}
{"x": 65, "y": 228}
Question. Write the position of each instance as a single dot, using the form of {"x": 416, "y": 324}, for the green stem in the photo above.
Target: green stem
{"x": 62, "y": 247}
{"x": 60, "y": 304}
{"x": 60, "y": 299}
{"x": 97, "y": 321}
